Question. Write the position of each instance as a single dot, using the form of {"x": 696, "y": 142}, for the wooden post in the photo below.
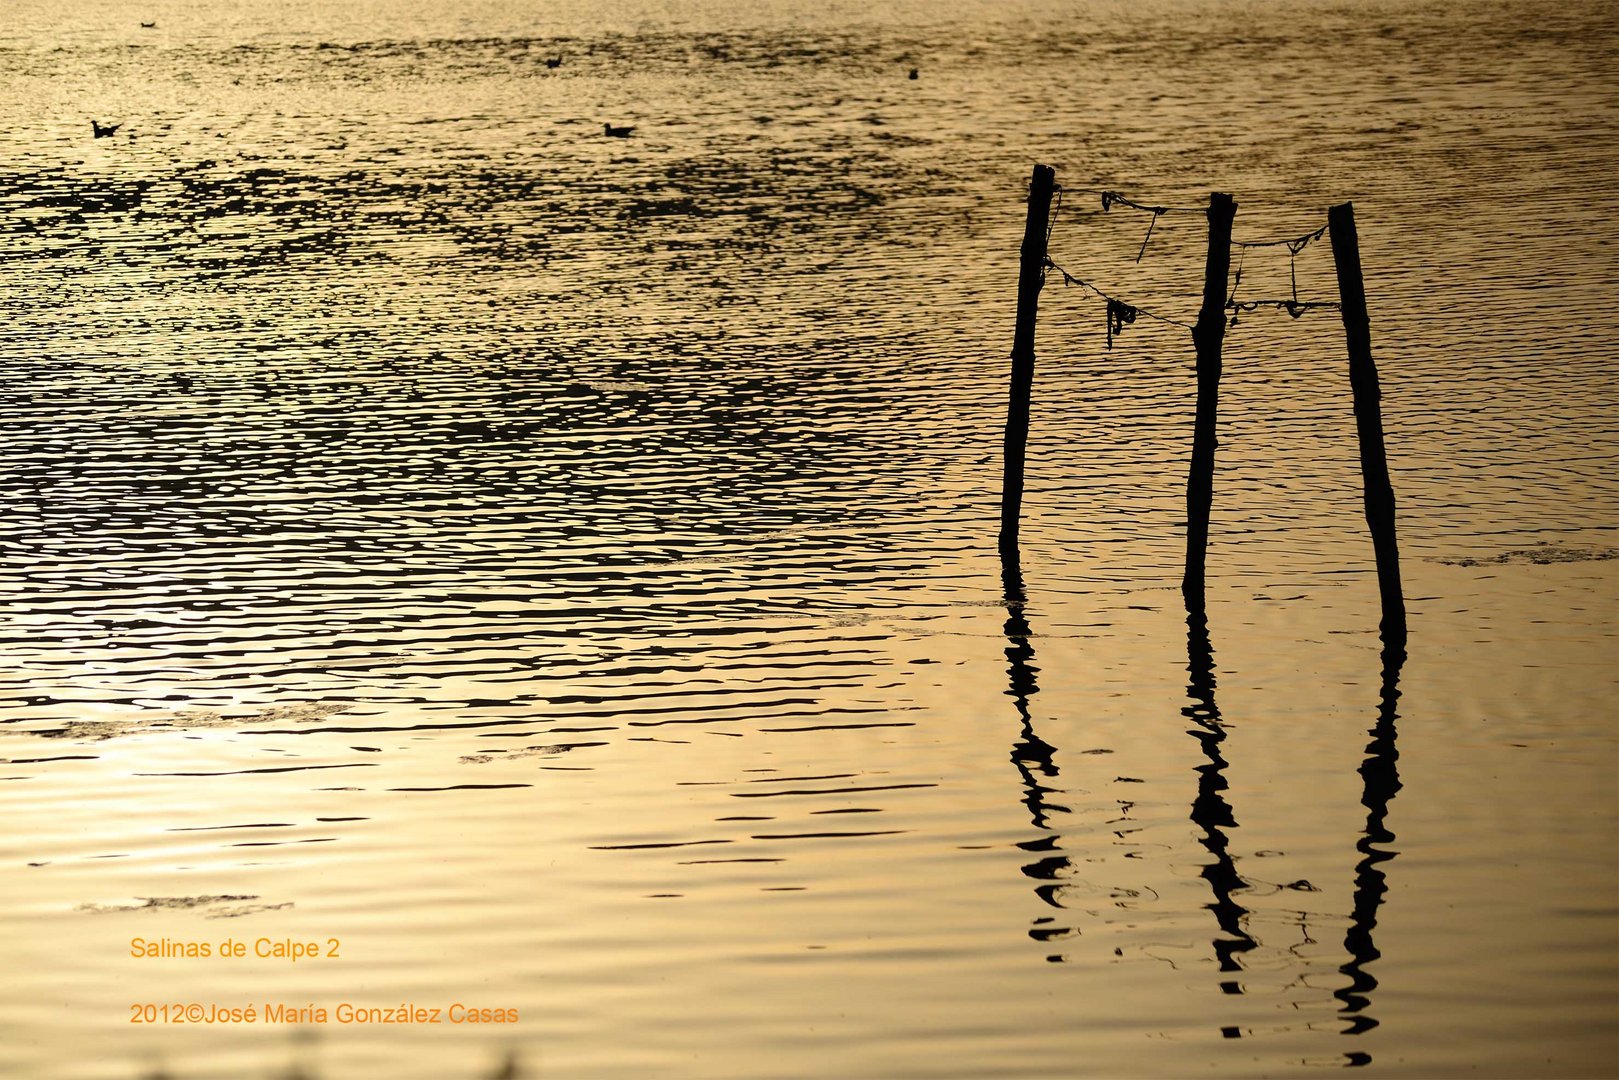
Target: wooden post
{"x": 1208, "y": 335}
{"x": 1374, "y": 467}
{"x": 1030, "y": 277}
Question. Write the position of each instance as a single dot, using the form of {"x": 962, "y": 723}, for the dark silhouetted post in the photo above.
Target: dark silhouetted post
{"x": 1208, "y": 335}
{"x": 1030, "y": 278}
{"x": 1374, "y": 466}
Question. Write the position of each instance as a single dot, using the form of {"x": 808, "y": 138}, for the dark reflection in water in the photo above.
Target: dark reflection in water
{"x": 1213, "y": 814}
{"x": 1210, "y": 811}
{"x": 509, "y": 1068}
{"x": 1033, "y": 756}
{"x": 1381, "y": 781}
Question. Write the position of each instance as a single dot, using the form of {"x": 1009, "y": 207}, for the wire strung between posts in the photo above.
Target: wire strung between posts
{"x": 1242, "y": 257}
{"x": 1051, "y": 222}
{"x": 1144, "y": 239}
{"x": 1294, "y": 307}
{"x": 1119, "y": 313}
{"x": 1111, "y": 198}
{"x": 1294, "y": 244}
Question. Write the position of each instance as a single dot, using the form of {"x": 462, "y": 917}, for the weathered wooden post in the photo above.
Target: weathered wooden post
{"x": 1030, "y": 278}
{"x": 1379, "y": 493}
{"x": 1208, "y": 335}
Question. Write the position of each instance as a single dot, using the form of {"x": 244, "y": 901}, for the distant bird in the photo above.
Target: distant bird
{"x": 912, "y": 74}
{"x": 617, "y": 132}
{"x": 553, "y": 61}
{"x": 148, "y": 26}
{"x": 104, "y": 131}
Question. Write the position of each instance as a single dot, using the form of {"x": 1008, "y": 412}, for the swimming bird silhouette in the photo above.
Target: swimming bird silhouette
{"x": 912, "y": 74}
{"x": 554, "y": 61}
{"x": 104, "y": 131}
{"x": 617, "y": 132}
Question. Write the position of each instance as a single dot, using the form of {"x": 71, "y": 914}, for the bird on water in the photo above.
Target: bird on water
{"x": 554, "y": 61}
{"x": 104, "y": 131}
{"x": 617, "y": 132}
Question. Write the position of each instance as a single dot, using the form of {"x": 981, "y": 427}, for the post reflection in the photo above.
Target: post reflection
{"x": 1210, "y": 811}
{"x": 1213, "y": 815}
{"x": 1380, "y": 782}
{"x": 1033, "y": 757}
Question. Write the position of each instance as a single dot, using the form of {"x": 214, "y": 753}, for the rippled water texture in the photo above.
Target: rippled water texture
{"x": 560, "y": 568}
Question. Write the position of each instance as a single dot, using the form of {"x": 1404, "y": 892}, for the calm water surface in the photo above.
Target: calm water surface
{"x": 560, "y": 568}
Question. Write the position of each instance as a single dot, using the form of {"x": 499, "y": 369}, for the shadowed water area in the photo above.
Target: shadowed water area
{"x": 561, "y": 568}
